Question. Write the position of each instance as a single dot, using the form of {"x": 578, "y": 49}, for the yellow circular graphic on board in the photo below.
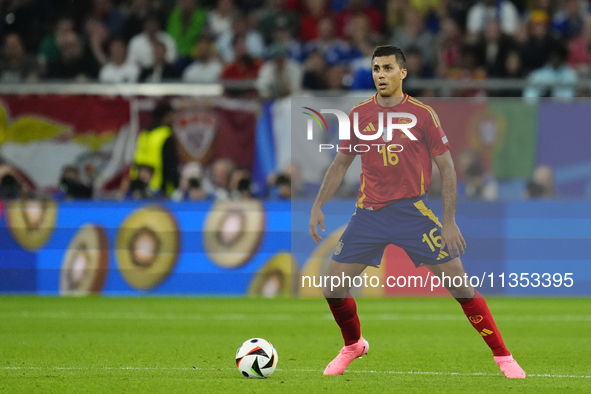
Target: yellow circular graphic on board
{"x": 318, "y": 263}
{"x": 31, "y": 222}
{"x": 233, "y": 232}
{"x": 85, "y": 264}
{"x": 148, "y": 244}
{"x": 275, "y": 278}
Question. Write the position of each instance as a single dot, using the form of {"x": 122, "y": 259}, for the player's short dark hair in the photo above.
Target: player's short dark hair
{"x": 389, "y": 50}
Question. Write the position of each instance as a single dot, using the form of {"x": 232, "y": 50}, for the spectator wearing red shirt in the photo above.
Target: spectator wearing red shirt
{"x": 579, "y": 50}
{"x": 355, "y": 8}
{"x": 295, "y": 6}
{"x": 244, "y": 67}
{"x": 316, "y": 10}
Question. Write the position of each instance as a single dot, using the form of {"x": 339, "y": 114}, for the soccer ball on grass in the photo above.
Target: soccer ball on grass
{"x": 256, "y": 358}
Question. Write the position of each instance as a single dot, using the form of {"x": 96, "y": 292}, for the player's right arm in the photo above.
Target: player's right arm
{"x": 332, "y": 180}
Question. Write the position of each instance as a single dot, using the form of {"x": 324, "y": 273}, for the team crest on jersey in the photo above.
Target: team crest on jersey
{"x": 476, "y": 319}
{"x": 400, "y": 121}
{"x": 338, "y": 248}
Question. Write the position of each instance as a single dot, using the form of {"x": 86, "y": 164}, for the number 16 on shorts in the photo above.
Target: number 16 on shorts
{"x": 434, "y": 241}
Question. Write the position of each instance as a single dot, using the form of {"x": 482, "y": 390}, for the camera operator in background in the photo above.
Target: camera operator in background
{"x": 139, "y": 188}
{"x": 155, "y": 150}
{"x": 283, "y": 183}
{"x": 280, "y": 186}
{"x": 71, "y": 185}
{"x": 474, "y": 182}
{"x": 192, "y": 185}
{"x": 221, "y": 170}
{"x": 286, "y": 184}
{"x": 195, "y": 190}
{"x": 541, "y": 184}
{"x": 12, "y": 186}
{"x": 240, "y": 184}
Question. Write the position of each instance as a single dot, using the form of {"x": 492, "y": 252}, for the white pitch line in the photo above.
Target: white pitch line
{"x": 295, "y": 370}
{"x": 471, "y": 374}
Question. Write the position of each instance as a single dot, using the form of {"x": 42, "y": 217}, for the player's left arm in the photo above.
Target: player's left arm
{"x": 450, "y": 232}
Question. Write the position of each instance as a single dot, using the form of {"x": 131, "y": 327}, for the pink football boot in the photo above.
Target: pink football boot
{"x": 346, "y": 356}
{"x": 509, "y": 367}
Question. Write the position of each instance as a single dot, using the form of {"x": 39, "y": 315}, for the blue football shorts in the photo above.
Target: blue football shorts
{"x": 409, "y": 224}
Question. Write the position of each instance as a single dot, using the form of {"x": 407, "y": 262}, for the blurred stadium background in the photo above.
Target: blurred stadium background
{"x": 510, "y": 81}
{"x": 84, "y": 85}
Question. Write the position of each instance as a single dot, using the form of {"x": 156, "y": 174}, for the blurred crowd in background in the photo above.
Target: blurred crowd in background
{"x": 291, "y": 45}
{"x": 277, "y": 48}
{"x": 220, "y": 181}
{"x": 157, "y": 172}
{"x": 223, "y": 180}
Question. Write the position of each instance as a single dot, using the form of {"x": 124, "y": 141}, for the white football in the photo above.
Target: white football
{"x": 256, "y": 358}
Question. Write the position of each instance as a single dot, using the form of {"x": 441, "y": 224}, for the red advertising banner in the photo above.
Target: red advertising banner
{"x": 216, "y": 128}
{"x": 40, "y": 135}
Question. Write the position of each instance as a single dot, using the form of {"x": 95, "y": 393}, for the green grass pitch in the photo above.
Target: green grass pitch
{"x": 187, "y": 345}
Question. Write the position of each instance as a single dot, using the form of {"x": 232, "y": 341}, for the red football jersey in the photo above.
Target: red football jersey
{"x": 391, "y": 173}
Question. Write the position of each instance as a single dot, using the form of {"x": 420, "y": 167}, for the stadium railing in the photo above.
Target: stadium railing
{"x": 191, "y": 89}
